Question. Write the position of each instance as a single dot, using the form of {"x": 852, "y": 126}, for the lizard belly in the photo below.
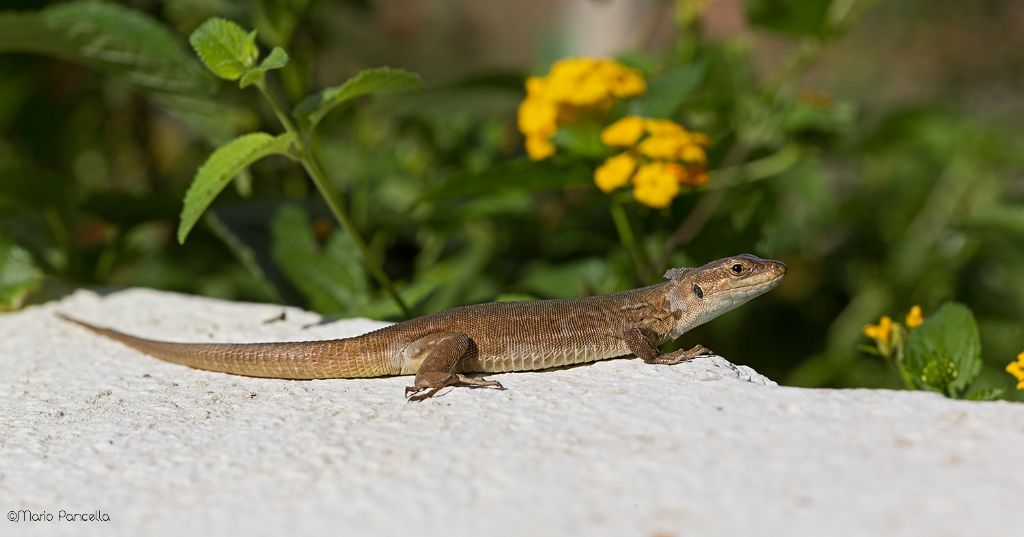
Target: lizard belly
{"x": 526, "y": 357}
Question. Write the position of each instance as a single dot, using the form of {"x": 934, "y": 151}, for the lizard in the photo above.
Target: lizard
{"x": 441, "y": 348}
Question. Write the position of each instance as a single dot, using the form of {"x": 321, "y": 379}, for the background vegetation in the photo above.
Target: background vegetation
{"x": 873, "y": 146}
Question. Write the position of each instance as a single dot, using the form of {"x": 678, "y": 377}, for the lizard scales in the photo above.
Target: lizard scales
{"x": 498, "y": 336}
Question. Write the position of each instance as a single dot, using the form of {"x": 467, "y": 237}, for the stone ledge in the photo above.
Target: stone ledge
{"x": 614, "y": 448}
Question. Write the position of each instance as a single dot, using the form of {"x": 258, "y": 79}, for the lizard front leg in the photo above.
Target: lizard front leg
{"x": 640, "y": 343}
{"x": 440, "y": 355}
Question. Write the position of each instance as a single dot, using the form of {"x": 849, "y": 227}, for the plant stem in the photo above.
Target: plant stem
{"x": 628, "y": 238}
{"x": 282, "y": 116}
{"x": 908, "y": 381}
{"x": 333, "y": 199}
{"x": 899, "y": 343}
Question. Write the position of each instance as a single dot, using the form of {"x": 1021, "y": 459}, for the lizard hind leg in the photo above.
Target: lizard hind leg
{"x": 439, "y": 356}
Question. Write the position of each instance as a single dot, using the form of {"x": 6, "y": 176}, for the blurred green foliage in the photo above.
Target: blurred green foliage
{"x": 105, "y": 116}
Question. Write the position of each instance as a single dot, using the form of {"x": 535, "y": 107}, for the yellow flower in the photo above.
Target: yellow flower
{"x": 571, "y": 68}
{"x": 539, "y": 147}
{"x": 880, "y": 331}
{"x": 615, "y": 172}
{"x": 591, "y": 81}
{"x": 536, "y": 87}
{"x": 655, "y": 185}
{"x": 574, "y": 88}
{"x": 587, "y": 91}
{"x": 678, "y": 171}
{"x": 1017, "y": 370}
{"x": 622, "y": 82}
{"x": 693, "y": 153}
{"x": 537, "y": 117}
{"x": 678, "y": 156}
{"x": 665, "y": 127}
{"x": 624, "y": 132}
{"x": 700, "y": 139}
{"x": 629, "y": 84}
{"x": 661, "y": 147}
{"x": 914, "y": 317}
{"x": 569, "y": 82}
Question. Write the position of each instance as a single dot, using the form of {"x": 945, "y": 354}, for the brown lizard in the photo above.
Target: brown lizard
{"x": 498, "y": 336}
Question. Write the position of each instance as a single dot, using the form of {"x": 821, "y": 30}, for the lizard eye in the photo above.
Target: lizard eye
{"x": 737, "y": 268}
{"x": 698, "y": 291}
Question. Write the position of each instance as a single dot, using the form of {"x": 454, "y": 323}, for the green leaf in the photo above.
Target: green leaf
{"x": 277, "y": 59}
{"x": 797, "y": 17}
{"x": 18, "y": 275}
{"x": 583, "y": 140}
{"x": 514, "y": 297}
{"x": 333, "y": 279}
{"x": 222, "y": 166}
{"x": 244, "y": 253}
{"x": 225, "y": 48}
{"x": 127, "y": 44}
{"x": 107, "y": 36}
{"x": 379, "y": 80}
{"x": 986, "y": 394}
{"x": 667, "y": 92}
{"x": 997, "y": 219}
{"x": 944, "y": 353}
{"x": 563, "y": 280}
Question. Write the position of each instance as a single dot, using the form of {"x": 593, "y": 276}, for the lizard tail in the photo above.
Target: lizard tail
{"x": 336, "y": 358}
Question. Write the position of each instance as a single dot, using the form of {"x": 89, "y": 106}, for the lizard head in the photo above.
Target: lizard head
{"x": 706, "y": 292}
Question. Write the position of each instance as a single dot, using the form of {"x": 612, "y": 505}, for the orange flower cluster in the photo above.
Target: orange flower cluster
{"x": 573, "y": 87}
{"x": 664, "y": 155}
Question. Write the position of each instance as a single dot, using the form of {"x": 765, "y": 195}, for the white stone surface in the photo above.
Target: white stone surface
{"x": 615, "y": 448}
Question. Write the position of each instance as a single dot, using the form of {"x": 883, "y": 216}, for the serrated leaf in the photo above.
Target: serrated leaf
{"x": 225, "y": 48}
{"x": 18, "y": 275}
{"x": 221, "y": 167}
{"x": 277, "y": 59}
{"x": 333, "y": 278}
{"x": 944, "y": 353}
{"x": 379, "y": 80}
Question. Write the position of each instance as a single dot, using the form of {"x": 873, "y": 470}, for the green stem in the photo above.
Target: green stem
{"x": 908, "y": 381}
{"x": 333, "y": 199}
{"x": 628, "y": 238}
{"x": 282, "y": 116}
{"x": 899, "y": 345}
